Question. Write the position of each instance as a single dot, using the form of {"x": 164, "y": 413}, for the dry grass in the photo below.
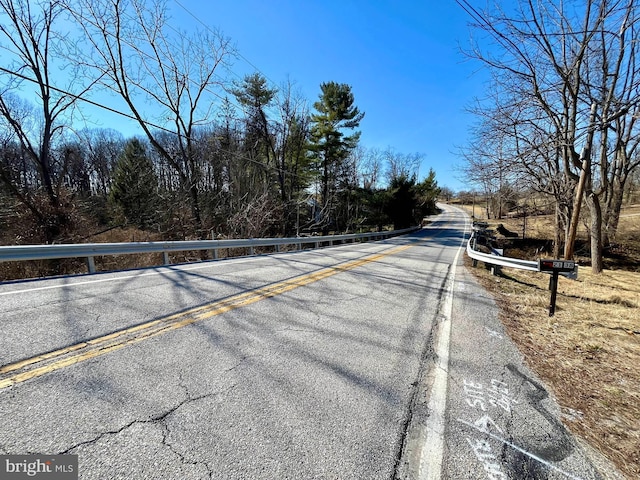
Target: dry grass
{"x": 623, "y": 255}
{"x": 589, "y": 352}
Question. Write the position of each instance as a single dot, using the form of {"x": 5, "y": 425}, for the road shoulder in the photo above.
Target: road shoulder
{"x": 502, "y": 422}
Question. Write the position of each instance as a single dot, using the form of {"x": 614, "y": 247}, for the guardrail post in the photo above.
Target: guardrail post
{"x": 90, "y": 251}
{"x": 474, "y": 261}
{"x": 91, "y": 265}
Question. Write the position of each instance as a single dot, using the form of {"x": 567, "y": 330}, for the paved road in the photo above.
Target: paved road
{"x": 319, "y": 364}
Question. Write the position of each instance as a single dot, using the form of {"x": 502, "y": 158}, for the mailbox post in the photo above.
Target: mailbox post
{"x": 555, "y": 267}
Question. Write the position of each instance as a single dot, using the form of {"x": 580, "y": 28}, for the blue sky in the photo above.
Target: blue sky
{"x": 402, "y": 59}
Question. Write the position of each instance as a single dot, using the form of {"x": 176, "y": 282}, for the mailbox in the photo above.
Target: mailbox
{"x": 555, "y": 268}
{"x": 549, "y": 265}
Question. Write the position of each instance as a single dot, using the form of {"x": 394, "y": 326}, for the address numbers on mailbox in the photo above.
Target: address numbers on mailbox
{"x": 549, "y": 265}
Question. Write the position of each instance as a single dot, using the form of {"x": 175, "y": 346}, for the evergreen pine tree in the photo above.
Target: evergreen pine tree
{"x": 329, "y": 147}
{"x": 135, "y": 185}
{"x": 402, "y": 201}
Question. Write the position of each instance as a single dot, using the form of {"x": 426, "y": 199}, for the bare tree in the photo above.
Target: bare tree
{"x": 135, "y": 55}
{"x": 291, "y": 132}
{"x": 492, "y": 161}
{"x": 565, "y": 62}
{"x": 401, "y": 164}
{"x": 370, "y": 167}
{"x": 32, "y": 49}
{"x": 102, "y": 148}
{"x": 615, "y": 89}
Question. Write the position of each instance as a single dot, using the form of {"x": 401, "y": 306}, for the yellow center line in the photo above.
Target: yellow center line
{"x": 28, "y": 368}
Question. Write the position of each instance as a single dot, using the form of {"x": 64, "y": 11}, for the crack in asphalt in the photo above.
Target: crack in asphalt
{"x": 305, "y": 330}
{"x": 160, "y": 420}
{"x": 417, "y": 412}
{"x": 166, "y": 431}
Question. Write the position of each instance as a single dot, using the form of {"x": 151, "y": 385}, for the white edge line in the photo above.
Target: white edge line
{"x": 430, "y": 466}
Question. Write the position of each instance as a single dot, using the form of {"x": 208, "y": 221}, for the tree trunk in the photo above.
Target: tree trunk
{"x": 596, "y": 233}
{"x": 557, "y": 240}
{"x": 572, "y": 228}
{"x": 325, "y": 212}
{"x": 585, "y": 179}
{"x": 613, "y": 213}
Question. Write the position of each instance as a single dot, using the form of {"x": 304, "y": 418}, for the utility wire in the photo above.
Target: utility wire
{"x": 149, "y": 56}
{"x": 159, "y": 127}
{"x": 169, "y": 68}
{"x": 473, "y": 13}
{"x": 197, "y": 19}
{"x": 238, "y": 54}
{"x": 86, "y": 100}
{"x": 156, "y": 126}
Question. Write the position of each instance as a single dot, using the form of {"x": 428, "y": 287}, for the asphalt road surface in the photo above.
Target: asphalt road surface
{"x": 377, "y": 360}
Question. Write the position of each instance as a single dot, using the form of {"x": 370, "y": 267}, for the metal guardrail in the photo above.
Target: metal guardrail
{"x": 91, "y": 250}
{"x": 494, "y": 259}
{"x": 566, "y": 268}
{"x": 501, "y": 261}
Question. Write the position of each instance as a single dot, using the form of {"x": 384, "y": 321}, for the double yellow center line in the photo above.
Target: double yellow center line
{"x": 39, "y": 365}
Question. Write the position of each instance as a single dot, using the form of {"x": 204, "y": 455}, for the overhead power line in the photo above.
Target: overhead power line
{"x": 273, "y": 84}
{"x": 151, "y": 124}
{"x": 148, "y": 55}
{"x": 197, "y": 19}
{"x": 86, "y": 100}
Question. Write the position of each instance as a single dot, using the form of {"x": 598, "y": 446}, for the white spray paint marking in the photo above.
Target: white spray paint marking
{"x": 496, "y": 394}
{"x": 493, "y": 333}
{"x": 489, "y": 460}
{"x": 482, "y": 429}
